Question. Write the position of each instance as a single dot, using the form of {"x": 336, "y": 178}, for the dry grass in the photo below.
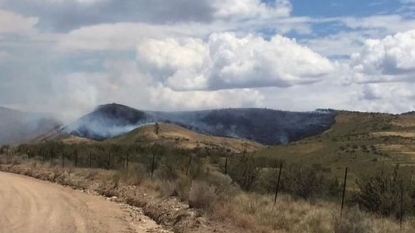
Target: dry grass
{"x": 202, "y": 195}
{"x": 257, "y": 213}
{"x": 247, "y": 212}
{"x": 74, "y": 140}
{"x": 184, "y": 138}
{"x": 404, "y": 121}
{"x": 402, "y": 134}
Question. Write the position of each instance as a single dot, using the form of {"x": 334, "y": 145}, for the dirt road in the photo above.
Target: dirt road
{"x": 28, "y": 205}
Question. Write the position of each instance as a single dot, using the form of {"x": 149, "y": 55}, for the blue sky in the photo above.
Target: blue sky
{"x": 67, "y": 56}
{"x": 341, "y": 8}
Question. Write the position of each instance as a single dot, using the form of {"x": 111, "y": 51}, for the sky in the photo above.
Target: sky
{"x": 67, "y": 56}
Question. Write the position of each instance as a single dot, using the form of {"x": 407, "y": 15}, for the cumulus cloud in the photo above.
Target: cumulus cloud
{"x": 126, "y": 36}
{"x": 122, "y": 82}
{"x": 226, "y": 61}
{"x": 389, "y": 59}
{"x": 387, "y": 97}
{"x": 184, "y": 54}
{"x": 11, "y": 22}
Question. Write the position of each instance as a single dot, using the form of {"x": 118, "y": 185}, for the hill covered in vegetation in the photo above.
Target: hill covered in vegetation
{"x": 264, "y": 126}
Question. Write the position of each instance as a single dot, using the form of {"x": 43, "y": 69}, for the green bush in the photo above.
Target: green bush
{"x": 244, "y": 171}
{"x": 380, "y": 191}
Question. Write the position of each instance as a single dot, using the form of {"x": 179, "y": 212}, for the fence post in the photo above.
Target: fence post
{"x": 76, "y": 157}
{"x": 401, "y": 214}
{"x": 63, "y": 160}
{"x": 189, "y": 164}
{"x": 152, "y": 165}
{"x": 127, "y": 158}
{"x": 226, "y": 164}
{"x": 109, "y": 159}
{"x": 278, "y": 183}
{"x": 90, "y": 159}
{"x": 344, "y": 191}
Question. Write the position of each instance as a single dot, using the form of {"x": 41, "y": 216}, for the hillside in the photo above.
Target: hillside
{"x": 19, "y": 127}
{"x": 264, "y": 126}
{"x": 360, "y": 141}
{"x": 107, "y": 121}
{"x": 57, "y": 135}
{"x": 173, "y": 135}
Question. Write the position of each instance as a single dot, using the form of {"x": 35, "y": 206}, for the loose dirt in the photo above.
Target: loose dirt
{"x": 29, "y": 205}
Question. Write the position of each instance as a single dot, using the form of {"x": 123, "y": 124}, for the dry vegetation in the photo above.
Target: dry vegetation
{"x": 206, "y": 188}
{"x": 173, "y": 135}
{"x": 359, "y": 141}
{"x": 205, "y": 200}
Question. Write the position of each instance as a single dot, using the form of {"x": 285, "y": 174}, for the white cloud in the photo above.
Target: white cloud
{"x": 388, "y": 23}
{"x": 122, "y": 82}
{"x": 389, "y": 59}
{"x": 226, "y": 61}
{"x": 387, "y": 97}
{"x": 189, "y": 60}
{"x": 340, "y": 45}
{"x": 125, "y": 36}
{"x": 251, "y": 8}
{"x": 11, "y": 22}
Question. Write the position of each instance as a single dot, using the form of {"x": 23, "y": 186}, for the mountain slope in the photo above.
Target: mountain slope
{"x": 107, "y": 121}
{"x": 264, "y": 126}
{"x": 361, "y": 141}
{"x": 19, "y": 127}
{"x": 173, "y": 135}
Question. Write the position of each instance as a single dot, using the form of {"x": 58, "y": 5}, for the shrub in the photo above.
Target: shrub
{"x": 302, "y": 181}
{"x": 202, "y": 195}
{"x": 173, "y": 166}
{"x": 134, "y": 175}
{"x": 244, "y": 171}
{"x": 167, "y": 188}
{"x": 380, "y": 191}
{"x": 222, "y": 183}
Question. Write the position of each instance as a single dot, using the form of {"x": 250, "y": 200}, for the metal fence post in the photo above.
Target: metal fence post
{"x": 278, "y": 183}
{"x": 344, "y": 191}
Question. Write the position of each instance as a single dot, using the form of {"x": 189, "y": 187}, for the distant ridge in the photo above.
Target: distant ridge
{"x": 265, "y": 126}
{"x": 20, "y": 127}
